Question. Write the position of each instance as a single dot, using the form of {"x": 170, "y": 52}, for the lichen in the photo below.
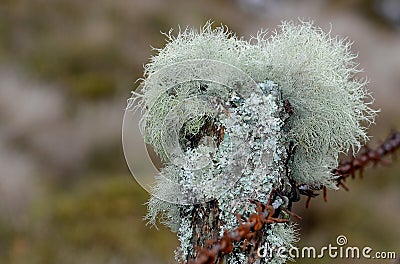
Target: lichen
{"x": 207, "y": 81}
{"x": 317, "y": 76}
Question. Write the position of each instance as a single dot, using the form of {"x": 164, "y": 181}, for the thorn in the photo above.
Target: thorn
{"x": 343, "y": 186}
{"x": 308, "y": 202}
{"x": 292, "y": 214}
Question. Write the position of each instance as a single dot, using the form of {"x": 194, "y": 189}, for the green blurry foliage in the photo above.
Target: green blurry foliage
{"x": 88, "y": 70}
{"x": 57, "y": 45}
{"x": 97, "y": 221}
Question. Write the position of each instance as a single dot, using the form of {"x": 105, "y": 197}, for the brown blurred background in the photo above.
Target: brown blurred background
{"x": 66, "y": 70}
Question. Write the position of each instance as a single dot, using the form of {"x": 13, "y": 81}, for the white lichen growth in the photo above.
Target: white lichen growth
{"x": 317, "y": 76}
{"x": 279, "y": 237}
{"x": 181, "y": 95}
{"x": 266, "y": 152}
{"x": 185, "y": 233}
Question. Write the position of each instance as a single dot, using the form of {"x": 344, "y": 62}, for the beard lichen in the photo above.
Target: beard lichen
{"x": 226, "y": 136}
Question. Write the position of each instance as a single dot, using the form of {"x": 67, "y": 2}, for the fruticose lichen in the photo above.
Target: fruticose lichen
{"x": 199, "y": 84}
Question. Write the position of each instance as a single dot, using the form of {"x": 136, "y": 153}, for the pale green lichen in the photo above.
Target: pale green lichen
{"x": 265, "y": 169}
{"x": 317, "y": 76}
{"x": 280, "y": 236}
{"x": 315, "y": 73}
{"x": 184, "y": 234}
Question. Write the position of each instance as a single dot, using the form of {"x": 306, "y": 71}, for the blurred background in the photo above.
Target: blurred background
{"x": 66, "y": 70}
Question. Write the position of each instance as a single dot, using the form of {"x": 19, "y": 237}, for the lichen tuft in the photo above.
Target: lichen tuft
{"x": 317, "y": 75}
